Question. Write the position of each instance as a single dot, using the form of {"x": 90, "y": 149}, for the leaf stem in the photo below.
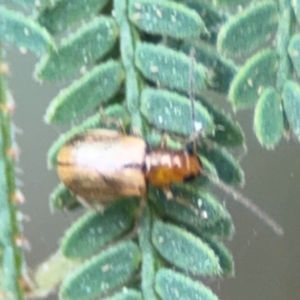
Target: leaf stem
{"x": 11, "y": 259}
{"x": 127, "y": 55}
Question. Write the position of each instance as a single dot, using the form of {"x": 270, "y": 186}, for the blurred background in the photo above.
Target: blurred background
{"x": 266, "y": 266}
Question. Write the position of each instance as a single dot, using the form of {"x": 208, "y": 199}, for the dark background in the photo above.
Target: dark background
{"x": 267, "y": 266}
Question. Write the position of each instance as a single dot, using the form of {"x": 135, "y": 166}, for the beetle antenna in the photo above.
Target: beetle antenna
{"x": 247, "y": 203}
{"x": 192, "y": 94}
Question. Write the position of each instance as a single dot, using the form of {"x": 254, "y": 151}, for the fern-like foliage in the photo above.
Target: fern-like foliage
{"x": 132, "y": 59}
{"x": 267, "y": 79}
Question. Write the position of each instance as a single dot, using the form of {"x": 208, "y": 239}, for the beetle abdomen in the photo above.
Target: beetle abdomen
{"x": 103, "y": 165}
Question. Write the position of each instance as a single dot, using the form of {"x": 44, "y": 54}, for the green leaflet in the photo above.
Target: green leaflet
{"x": 223, "y": 69}
{"x": 184, "y": 250}
{"x": 227, "y": 132}
{"x": 89, "y": 43}
{"x": 248, "y": 30}
{"x": 165, "y": 18}
{"x": 23, "y": 32}
{"x": 103, "y": 273}
{"x": 64, "y": 13}
{"x": 94, "y": 230}
{"x": 115, "y": 111}
{"x": 86, "y": 94}
{"x": 126, "y": 294}
{"x": 225, "y": 257}
{"x": 172, "y": 112}
{"x": 229, "y": 170}
{"x": 294, "y": 52}
{"x": 268, "y": 118}
{"x": 200, "y": 210}
{"x": 168, "y": 67}
{"x": 173, "y": 285}
{"x": 291, "y": 103}
{"x": 61, "y": 198}
{"x": 259, "y": 72}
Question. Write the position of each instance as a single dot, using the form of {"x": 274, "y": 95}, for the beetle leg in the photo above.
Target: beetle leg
{"x": 163, "y": 141}
{"x": 168, "y": 193}
{"x": 137, "y": 132}
{"x": 198, "y": 212}
{"x": 69, "y": 206}
{"x": 98, "y": 207}
{"x": 90, "y": 204}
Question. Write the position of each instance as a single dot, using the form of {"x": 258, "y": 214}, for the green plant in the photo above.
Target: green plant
{"x": 135, "y": 61}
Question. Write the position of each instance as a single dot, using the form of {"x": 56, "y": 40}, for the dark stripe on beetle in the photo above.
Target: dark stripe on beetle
{"x": 129, "y": 166}
{"x": 134, "y": 166}
{"x": 89, "y": 138}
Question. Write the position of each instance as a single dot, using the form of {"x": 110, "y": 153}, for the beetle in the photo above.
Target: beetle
{"x": 102, "y": 165}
